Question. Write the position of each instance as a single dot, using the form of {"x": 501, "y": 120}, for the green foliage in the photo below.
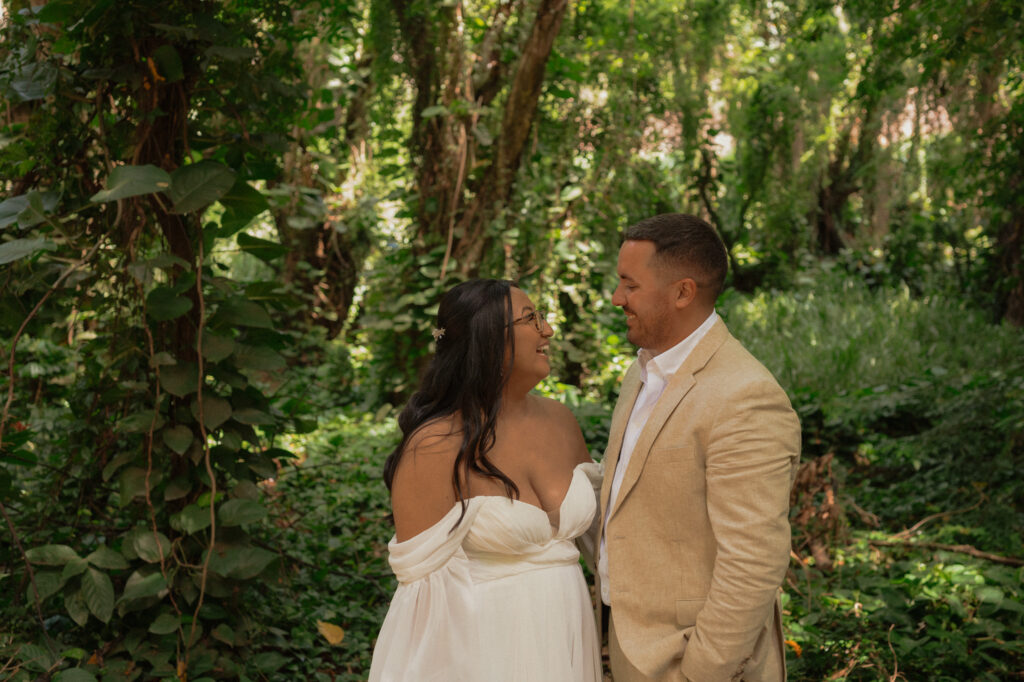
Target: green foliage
{"x": 209, "y": 241}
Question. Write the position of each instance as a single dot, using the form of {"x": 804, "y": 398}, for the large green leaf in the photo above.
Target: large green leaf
{"x": 180, "y": 379}
{"x": 263, "y": 249}
{"x": 199, "y": 184}
{"x": 74, "y": 675}
{"x": 215, "y": 412}
{"x": 164, "y": 304}
{"x": 98, "y": 592}
{"x": 178, "y": 438}
{"x": 240, "y": 562}
{"x": 240, "y": 512}
{"x": 131, "y": 181}
{"x": 141, "y": 585}
{"x": 10, "y": 208}
{"x": 151, "y": 546}
{"x": 16, "y": 249}
{"x": 241, "y": 312}
{"x": 40, "y": 204}
{"x": 165, "y": 624}
{"x": 216, "y": 347}
{"x": 48, "y": 583}
{"x": 34, "y": 81}
{"x": 76, "y": 608}
{"x": 72, "y": 568}
{"x": 104, "y": 557}
{"x": 51, "y": 555}
{"x": 140, "y": 422}
{"x": 258, "y": 357}
{"x": 132, "y": 483}
{"x": 250, "y": 415}
{"x": 241, "y": 204}
{"x": 194, "y": 518}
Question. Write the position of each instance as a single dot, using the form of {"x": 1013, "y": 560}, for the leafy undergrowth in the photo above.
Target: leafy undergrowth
{"x": 880, "y": 610}
{"x": 329, "y": 515}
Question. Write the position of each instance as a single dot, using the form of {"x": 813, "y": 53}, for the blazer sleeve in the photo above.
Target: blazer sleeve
{"x": 751, "y": 457}
{"x": 587, "y": 543}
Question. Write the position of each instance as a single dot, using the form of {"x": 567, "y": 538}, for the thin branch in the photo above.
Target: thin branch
{"x": 907, "y": 533}
{"x": 206, "y": 449}
{"x": 962, "y": 549}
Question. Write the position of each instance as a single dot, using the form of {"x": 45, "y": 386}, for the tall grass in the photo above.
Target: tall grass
{"x": 835, "y": 337}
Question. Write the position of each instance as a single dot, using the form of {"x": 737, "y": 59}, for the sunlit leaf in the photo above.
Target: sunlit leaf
{"x": 331, "y": 632}
{"x": 241, "y": 204}
{"x": 263, "y": 249}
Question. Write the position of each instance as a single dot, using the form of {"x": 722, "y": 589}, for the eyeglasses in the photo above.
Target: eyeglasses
{"x": 535, "y": 317}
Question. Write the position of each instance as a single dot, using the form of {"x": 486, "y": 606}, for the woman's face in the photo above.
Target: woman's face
{"x": 531, "y": 363}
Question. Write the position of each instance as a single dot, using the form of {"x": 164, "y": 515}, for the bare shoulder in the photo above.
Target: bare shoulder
{"x": 434, "y": 440}
{"x": 421, "y": 492}
{"x": 561, "y": 424}
{"x": 554, "y": 411}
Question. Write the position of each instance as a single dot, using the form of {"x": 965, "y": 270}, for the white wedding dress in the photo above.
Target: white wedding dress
{"x": 500, "y": 599}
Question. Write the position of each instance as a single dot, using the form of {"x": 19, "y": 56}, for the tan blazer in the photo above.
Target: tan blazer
{"x": 698, "y": 541}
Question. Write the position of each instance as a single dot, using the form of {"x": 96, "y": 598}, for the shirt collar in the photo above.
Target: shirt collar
{"x": 664, "y": 365}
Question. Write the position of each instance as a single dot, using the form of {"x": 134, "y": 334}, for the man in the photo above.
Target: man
{"x": 701, "y": 456}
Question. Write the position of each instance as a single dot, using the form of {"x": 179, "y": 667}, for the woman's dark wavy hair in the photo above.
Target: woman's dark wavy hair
{"x": 466, "y": 377}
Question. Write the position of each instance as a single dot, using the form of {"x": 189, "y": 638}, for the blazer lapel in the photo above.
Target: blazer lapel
{"x": 678, "y": 386}
{"x": 620, "y": 417}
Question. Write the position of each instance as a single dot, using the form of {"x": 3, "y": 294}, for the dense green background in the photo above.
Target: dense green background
{"x": 224, "y": 228}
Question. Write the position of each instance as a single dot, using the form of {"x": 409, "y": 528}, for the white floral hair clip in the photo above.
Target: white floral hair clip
{"x": 438, "y": 333}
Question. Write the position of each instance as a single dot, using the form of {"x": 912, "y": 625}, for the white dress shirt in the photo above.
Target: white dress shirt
{"x": 655, "y": 373}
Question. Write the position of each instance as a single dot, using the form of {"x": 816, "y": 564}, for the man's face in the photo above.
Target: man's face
{"x": 647, "y": 296}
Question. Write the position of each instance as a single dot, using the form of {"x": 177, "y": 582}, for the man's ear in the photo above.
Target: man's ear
{"x": 686, "y": 292}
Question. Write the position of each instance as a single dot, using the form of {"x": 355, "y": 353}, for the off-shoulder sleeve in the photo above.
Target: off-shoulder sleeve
{"x": 429, "y": 628}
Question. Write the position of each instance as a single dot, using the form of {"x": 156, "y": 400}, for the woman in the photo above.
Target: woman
{"x": 489, "y": 487}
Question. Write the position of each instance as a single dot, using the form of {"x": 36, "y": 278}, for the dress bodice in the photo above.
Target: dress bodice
{"x": 500, "y": 535}
{"x": 474, "y": 595}
{"x": 510, "y": 536}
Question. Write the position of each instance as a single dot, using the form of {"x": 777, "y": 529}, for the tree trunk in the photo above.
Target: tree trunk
{"x": 446, "y": 143}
